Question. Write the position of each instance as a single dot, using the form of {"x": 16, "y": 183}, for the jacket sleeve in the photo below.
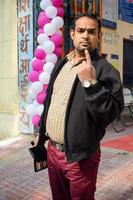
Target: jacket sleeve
{"x": 104, "y": 100}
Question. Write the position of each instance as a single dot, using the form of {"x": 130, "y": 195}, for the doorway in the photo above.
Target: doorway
{"x": 128, "y": 63}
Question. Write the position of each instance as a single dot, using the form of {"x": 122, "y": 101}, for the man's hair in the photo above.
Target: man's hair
{"x": 92, "y": 16}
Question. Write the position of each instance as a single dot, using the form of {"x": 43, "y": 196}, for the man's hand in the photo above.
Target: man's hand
{"x": 35, "y": 141}
{"x": 86, "y": 70}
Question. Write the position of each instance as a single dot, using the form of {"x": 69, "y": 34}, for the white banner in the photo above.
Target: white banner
{"x": 25, "y": 55}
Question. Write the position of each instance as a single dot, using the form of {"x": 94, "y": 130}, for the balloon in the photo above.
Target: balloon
{"x": 33, "y": 76}
{"x": 49, "y": 40}
{"x": 51, "y": 58}
{"x": 32, "y": 94}
{"x": 35, "y": 120}
{"x": 48, "y": 67}
{"x": 41, "y": 97}
{"x": 44, "y": 4}
{"x": 57, "y": 2}
{"x": 42, "y": 20}
{"x": 36, "y": 87}
{"x": 40, "y": 109}
{"x": 58, "y": 22}
{"x": 49, "y": 29}
{"x": 44, "y": 77}
{"x": 45, "y": 87}
{"x": 41, "y": 38}
{"x": 39, "y": 47}
{"x": 42, "y": 13}
{"x": 51, "y": 11}
{"x": 60, "y": 11}
{"x": 40, "y": 54}
{"x": 29, "y": 99}
{"x": 48, "y": 47}
{"x": 37, "y": 65}
{"x": 31, "y": 110}
{"x": 57, "y": 39}
{"x": 35, "y": 103}
{"x": 40, "y": 31}
{"x": 34, "y": 58}
{"x": 58, "y": 51}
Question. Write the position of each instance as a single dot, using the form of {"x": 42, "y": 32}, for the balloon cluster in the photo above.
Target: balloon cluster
{"x": 49, "y": 38}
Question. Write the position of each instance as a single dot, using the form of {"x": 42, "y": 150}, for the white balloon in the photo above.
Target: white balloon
{"x": 48, "y": 67}
{"x": 32, "y": 94}
{"x": 51, "y": 58}
{"x": 44, "y": 4}
{"x": 41, "y": 38}
{"x": 29, "y": 99}
{"x": 39, "y": 47}
{"x": 31, "y": 110}
{"x": 35, "y": 103}
{"x": 44, "y": 77}
{"x": 36, "y": 87}
{"x": 40, "y": 109}
{"x": 49, "y": 29}
{"x": 48, "y": 47}
{"x": 51, "y": 11}
{"x": 58, "y": 22}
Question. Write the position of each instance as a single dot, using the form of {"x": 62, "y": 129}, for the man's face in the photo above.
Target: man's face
{"x": 85, "y": 35}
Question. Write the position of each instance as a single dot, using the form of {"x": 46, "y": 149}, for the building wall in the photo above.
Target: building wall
{"x": 112, "y": 41}
{"x": 8, "y": 69}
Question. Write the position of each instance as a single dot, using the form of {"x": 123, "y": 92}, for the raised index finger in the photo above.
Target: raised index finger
{"x": 87, "y": 56}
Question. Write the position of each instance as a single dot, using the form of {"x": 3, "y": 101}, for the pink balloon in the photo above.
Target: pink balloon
{"x": 37, "y": 65}
{"x": 42, "y": 13}
{"x": 41, "y": 97}
{"x": 35, "y": 120}
{"x": 58, "y": 51}
{"x": 57, "y": 2}
{"x": 33, "y": 76}
{"x": 42, "y": 20}
{"x": 57, "y": 39}
{"x": 40, "y": 54}
{"x": 40, "y": 31}
{"x": 60, "y": 11}
{"x": 45, "y": 87}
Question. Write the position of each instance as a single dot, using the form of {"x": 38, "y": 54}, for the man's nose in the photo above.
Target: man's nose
{"x": 85, "y": 35}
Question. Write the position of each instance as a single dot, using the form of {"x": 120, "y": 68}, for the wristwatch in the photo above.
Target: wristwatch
{"x": 88, "y": 83}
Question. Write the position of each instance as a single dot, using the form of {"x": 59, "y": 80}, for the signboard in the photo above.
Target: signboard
{"x": 109, "y": 13}
{"x": 126, "y": 10}
{"x": 25, "y": 55}
{"x": 115, "y": 61}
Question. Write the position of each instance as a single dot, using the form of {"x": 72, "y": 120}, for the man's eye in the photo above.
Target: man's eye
{"x": 92, "y": 32}
{"x": 80, "y": 30}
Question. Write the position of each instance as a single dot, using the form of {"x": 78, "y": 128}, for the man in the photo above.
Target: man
{"x": 84, "y": 96}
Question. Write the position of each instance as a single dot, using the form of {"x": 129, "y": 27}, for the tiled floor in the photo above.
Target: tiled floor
{"x": 115, "y": 177}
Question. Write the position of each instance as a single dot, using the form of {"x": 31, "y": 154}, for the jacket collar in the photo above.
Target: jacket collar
{"x": 94, "y": 55}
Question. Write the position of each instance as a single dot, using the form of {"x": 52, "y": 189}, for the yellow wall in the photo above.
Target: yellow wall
{"x": 112, "y": 41}
{"x": 8, "y": 69}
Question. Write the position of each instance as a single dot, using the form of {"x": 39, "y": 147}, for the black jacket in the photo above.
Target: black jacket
{"x": 89, "y": 110}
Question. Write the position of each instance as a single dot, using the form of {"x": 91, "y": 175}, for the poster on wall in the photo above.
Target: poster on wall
{"x": 126, "y": 10}
{"x": 109, "y": 13}
{"x": 115, "y": 60}
{"x": 25, "y": 55}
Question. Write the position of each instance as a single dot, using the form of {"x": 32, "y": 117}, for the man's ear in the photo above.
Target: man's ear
{"x": 72, "y": 34}
{"x": 99, "y": 35}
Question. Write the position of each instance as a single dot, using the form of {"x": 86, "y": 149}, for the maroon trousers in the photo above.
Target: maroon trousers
{"x": 72, "y": 181}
